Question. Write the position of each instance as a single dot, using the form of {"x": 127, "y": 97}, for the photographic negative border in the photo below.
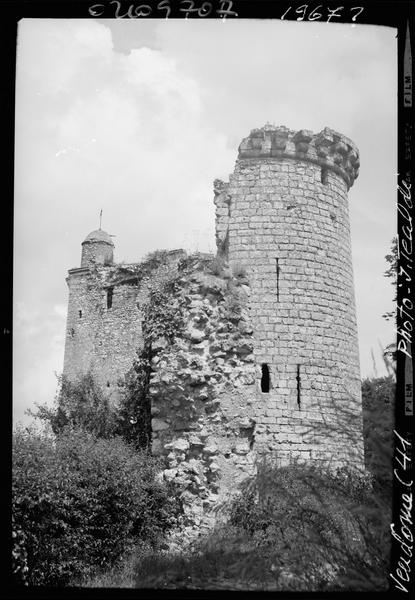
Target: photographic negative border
{"x": 399, "y": 15}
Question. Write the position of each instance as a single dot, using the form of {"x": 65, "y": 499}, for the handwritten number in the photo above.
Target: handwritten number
{"x": 225, "y": 9}
{"x": 333, "y": 13}
{"x": 117, "y": 9}
{"x": 314, "y": 16}
{"x": 301, "y": 9}
{"x": 205, "y": 9}
{"x": 190, "y": 8}
{"x": 360, "y": 9}
{"x": 133, "y": 12}
{"x": 144, "y": 10}
{"x": 165, "y": 5}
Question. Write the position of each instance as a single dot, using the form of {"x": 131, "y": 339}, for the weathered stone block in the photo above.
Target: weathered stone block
{"x": 159, "y": 425}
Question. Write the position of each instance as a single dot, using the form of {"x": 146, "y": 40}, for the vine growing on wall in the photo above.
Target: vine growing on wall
{"x": 163, "y": 312}
{"x": 162, "y": 318}
{"x": 135, "y": 410}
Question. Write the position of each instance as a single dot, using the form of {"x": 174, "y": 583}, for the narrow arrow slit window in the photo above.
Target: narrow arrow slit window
{"x": 277, "y": 268}
{"x": 110, "y": 292}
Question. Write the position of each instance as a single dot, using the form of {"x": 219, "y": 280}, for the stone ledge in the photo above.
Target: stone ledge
{"x": 79, "y": 271}
{"x": 329, "y": 149}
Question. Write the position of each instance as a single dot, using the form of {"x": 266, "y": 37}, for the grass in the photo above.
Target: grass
{"x": 225, "y": 559}
{"x": 121, "y": 575}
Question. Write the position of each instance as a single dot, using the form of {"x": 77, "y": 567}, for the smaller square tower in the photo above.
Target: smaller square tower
{"x": 103, "y": 330}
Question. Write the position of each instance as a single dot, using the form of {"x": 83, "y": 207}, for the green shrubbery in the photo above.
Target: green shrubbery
{"x": 79, "y": 502}
{"x": 292, "y": 528}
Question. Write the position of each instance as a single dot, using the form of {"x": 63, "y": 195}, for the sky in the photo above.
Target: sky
{"x": 138, "y": 118}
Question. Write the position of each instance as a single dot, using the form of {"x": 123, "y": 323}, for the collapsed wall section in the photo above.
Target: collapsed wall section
{"x": 201, "y": 392}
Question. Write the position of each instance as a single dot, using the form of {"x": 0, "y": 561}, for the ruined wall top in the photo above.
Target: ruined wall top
{"x": 328, "y": 148}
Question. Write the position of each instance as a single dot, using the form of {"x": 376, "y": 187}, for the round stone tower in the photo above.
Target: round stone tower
{"x": 97, "y": 248}
{"x": 283, "y": 218}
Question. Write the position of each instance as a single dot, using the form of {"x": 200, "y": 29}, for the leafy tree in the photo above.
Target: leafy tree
{"x": 389, "y": 353}
{"x": 392, "y": 270}
{"x": 80, "y": 405}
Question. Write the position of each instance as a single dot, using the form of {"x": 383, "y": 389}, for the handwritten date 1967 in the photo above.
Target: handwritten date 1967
{"x": 308, "y": 13}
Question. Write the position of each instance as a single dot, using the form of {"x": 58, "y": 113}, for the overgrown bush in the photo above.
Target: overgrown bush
{"x": 323, "y": 530}
{"x": 378, "y": 399}
{"x": 217, "y": 266}
{"x": 294, "y": 528}
{"x": 134, "y": 410}
{"x": 79, "y": 503}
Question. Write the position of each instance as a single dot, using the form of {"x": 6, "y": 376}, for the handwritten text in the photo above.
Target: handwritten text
{"x": 405, "y": 308}
{"x": 402, "y": 531}
{"x": 185, "y": 8}
{"x": 308, "y": 13}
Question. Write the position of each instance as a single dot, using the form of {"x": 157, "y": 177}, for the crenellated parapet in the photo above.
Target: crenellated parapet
{"x": 329, "y": 149}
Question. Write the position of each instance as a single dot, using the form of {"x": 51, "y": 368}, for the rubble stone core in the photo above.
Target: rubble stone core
{"x": 266, "y": 363}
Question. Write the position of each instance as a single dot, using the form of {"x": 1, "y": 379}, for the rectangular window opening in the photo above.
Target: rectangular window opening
{"x": 324, "y": 175}
{"x": 80, "y": 314}
{"x": 265, "y": 379}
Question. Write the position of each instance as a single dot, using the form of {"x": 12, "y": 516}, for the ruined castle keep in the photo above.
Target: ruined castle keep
{"x": 266, "y": 361}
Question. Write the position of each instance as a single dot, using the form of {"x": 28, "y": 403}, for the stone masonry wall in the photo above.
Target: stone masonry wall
{"x": 105, "y": 339}
{"x": 202, "y": 391}
{"x": 284, "y": 215}
{"x": 100, "y": 339}
{"x": 99, "y": 253}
